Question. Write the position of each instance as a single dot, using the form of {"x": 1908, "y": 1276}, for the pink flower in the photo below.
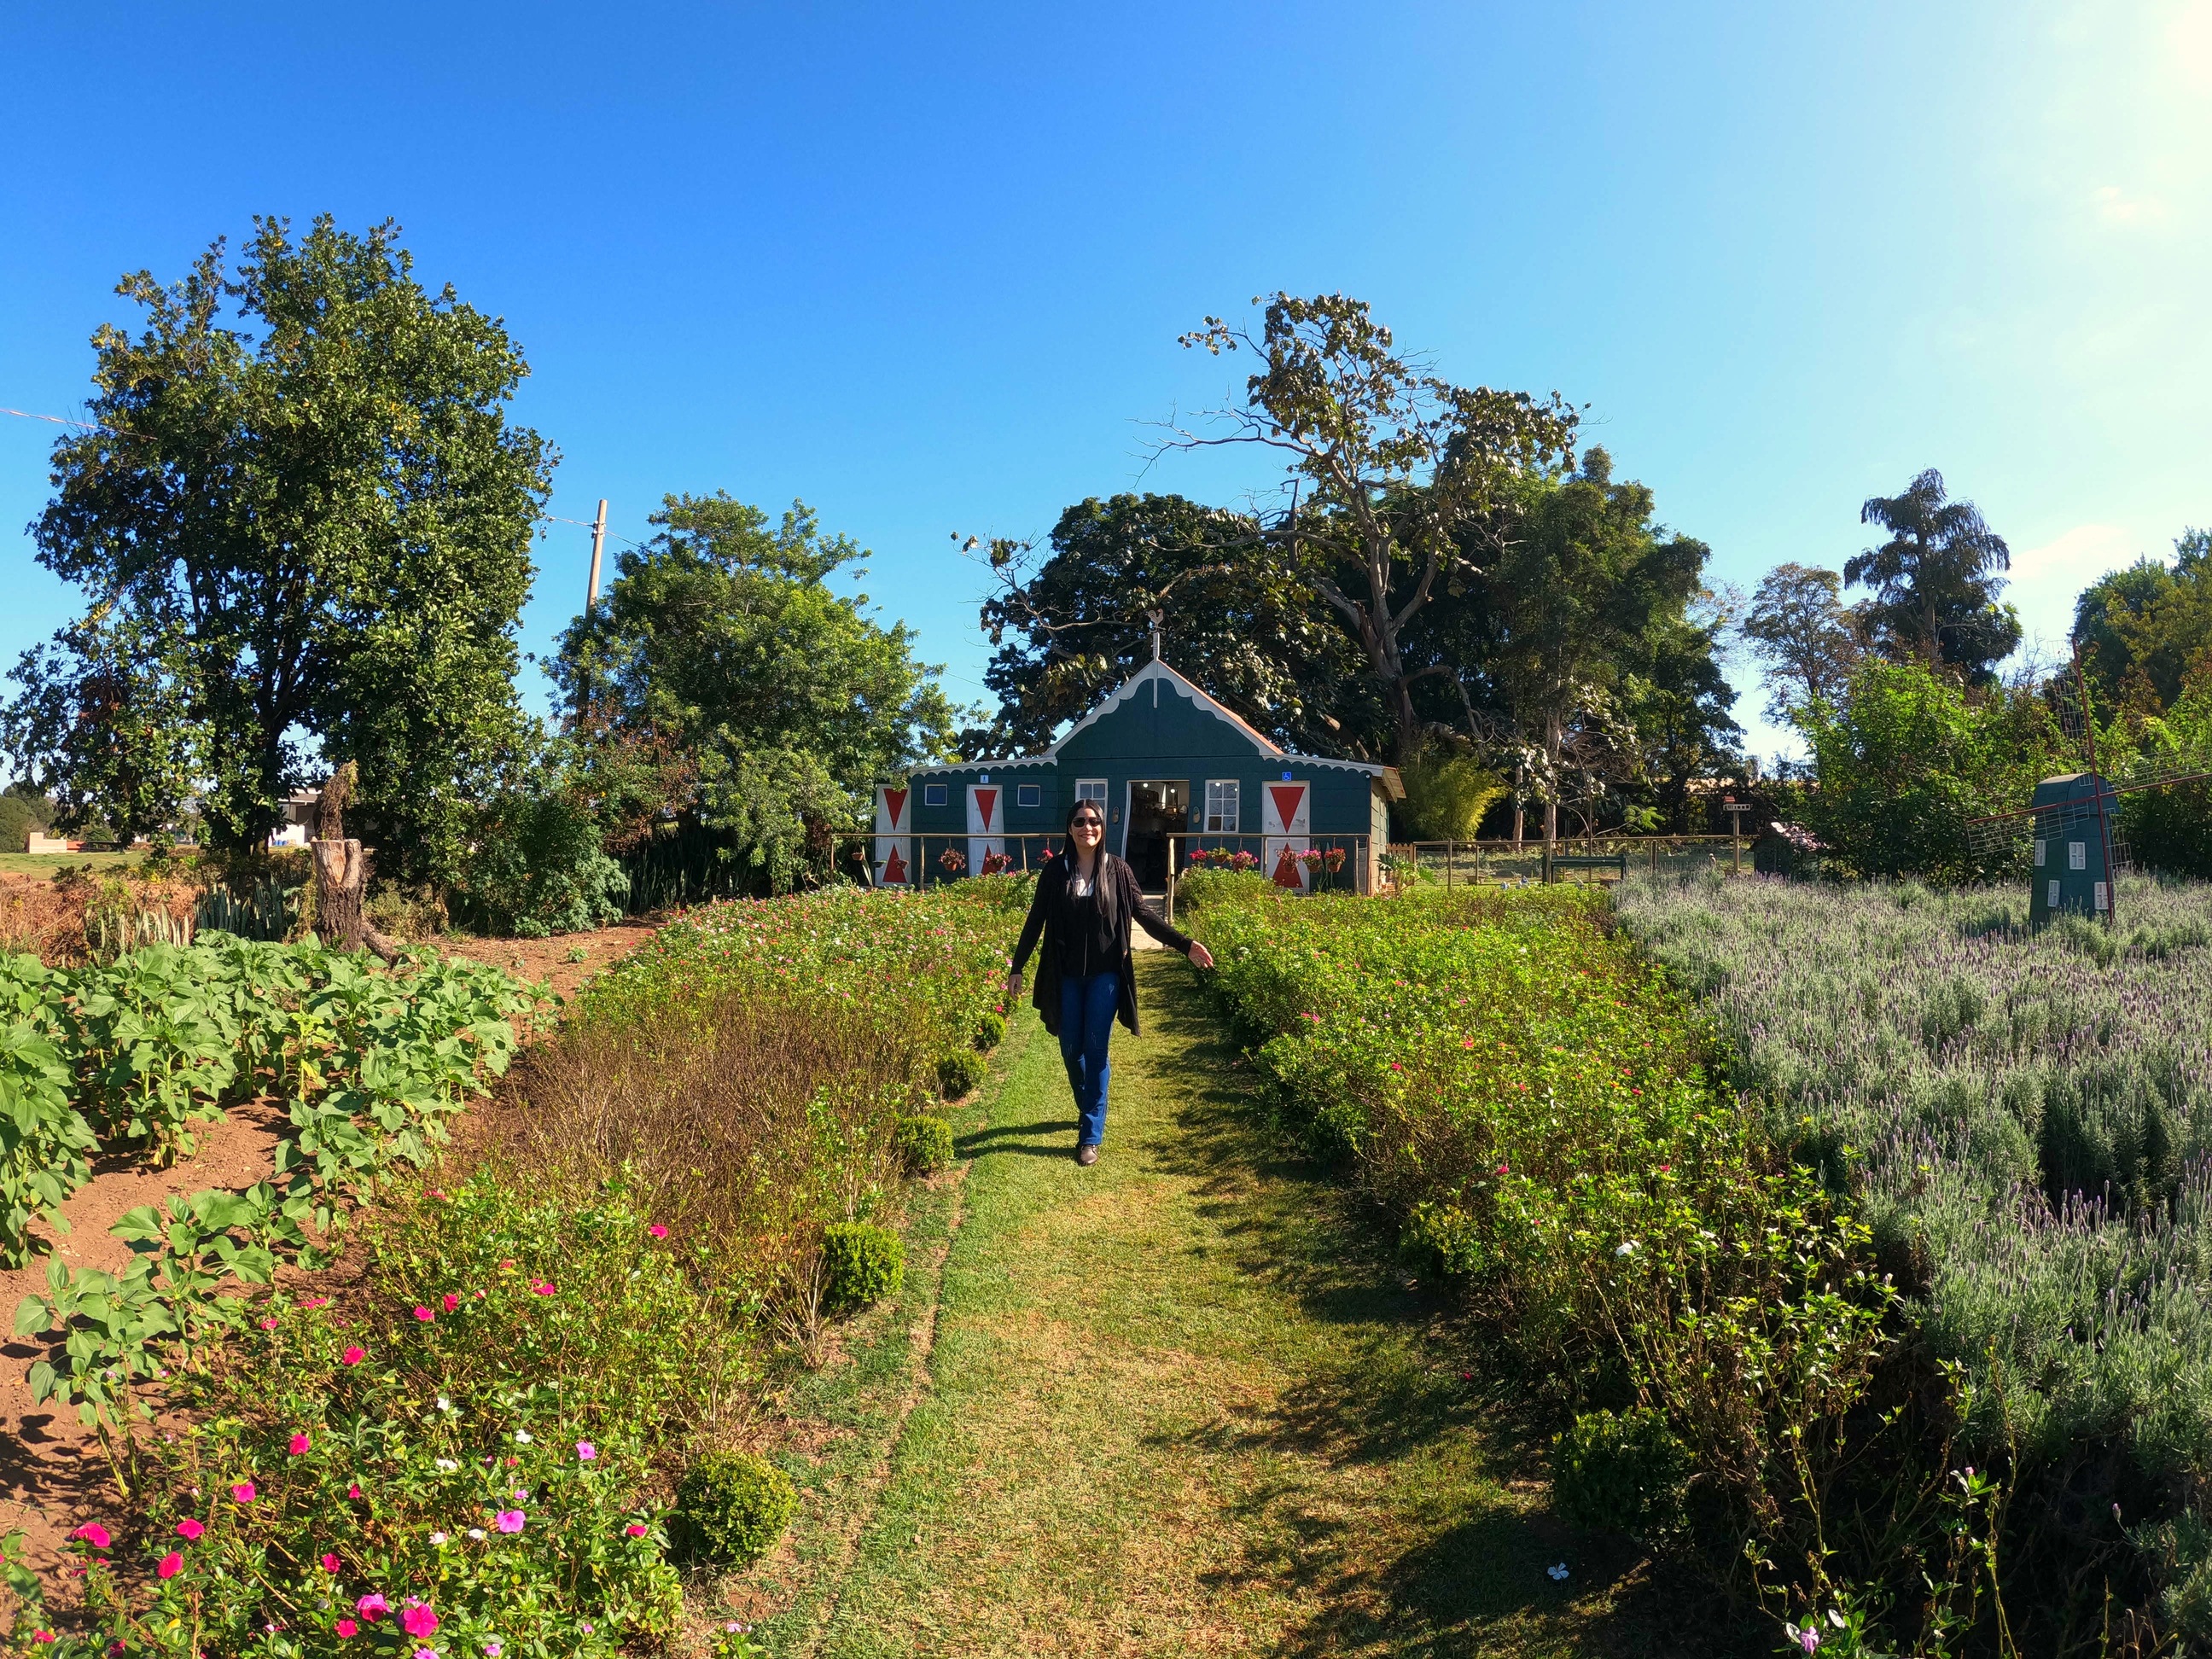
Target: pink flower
{"x": 316, "y": 1302}
{"x": 451, "y": 1300}
{"x": 244, "y": 1492}
{"x": 634, "y": 1530}
{"x": 269, "y": 1323}
{"x": 172, "y": 1564}
{"x": 424, "y": 1315}
{"x": 330, "y": 1564}
{"x": 586, "y": 1451}
{"x": 508, "y": 1521}
{"x": 425, "y": 1653}
{"x": 542, "y": 1288}
{"x": 300, "y": 1443}
{"x": 92, "y": 1533}
{"x": 371, "y": 1607}
{"x": 658, "y": 1230}
{"x": 345, "y": 1628}
{"x": 354, "y": 1491}
{"x": 190, "y": 1531}
{"x": 352, "y": 1357}
{"x": 419, "y": 1621}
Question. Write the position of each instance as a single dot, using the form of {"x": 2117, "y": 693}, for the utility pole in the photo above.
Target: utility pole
{"x": 599, "y": 539}
{"x": 590, "y": 603}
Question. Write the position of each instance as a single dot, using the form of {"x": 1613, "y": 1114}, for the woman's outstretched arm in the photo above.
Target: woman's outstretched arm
{"x": 1030, "y": 929}
{"x": 1160, "y": 928}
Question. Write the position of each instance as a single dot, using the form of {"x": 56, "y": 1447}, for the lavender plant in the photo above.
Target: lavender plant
{"x": 2024, "y": 1120}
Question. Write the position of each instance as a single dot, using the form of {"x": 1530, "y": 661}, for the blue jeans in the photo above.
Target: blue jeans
{"x": 1087, "y": 1007}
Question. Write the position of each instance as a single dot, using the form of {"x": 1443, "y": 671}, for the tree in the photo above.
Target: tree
{"x": 1934, "y": 598}
{"x": 1807, "y": 641}
{"x": 105, "y": 725}
{"x": 2143, "y": 630}
{"x": 323, "y": 516}
{"x": 721, "y": 639}
{"x": 1582, "y": 588}
{"x": 1075, "y": 624}
{"x": 1906, "y": 756}
{"x": 1401, "y": 470}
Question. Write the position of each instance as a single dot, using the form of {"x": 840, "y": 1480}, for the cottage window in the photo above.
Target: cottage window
{"x": 1094, "y": 790}
{"x": 2052, "y": 898}
{"x": 2040, "y": 845}
{"x": 1221, "y": 805}
{"x": 1028, "y": 794}
{"x": 2077, "y": 855}
{"x": 932, "y": 794}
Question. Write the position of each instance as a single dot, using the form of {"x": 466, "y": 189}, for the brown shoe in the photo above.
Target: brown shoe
{"x": 1087, "y": 1155}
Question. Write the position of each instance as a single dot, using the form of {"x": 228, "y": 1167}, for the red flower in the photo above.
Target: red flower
{"x": 451, "y": 1300}
{"x": 172, "y": 1564}
{"x": 345, "y": 1628}
{"x": 92, "y": 1533}
{"x": 330, "y": 1564}
{"x": 352, "y": 1357}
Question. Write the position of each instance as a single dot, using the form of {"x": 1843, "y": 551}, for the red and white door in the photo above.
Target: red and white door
{"x": 1286, "y": 822}
{"x": 986, "y": 824}
{"x": 893, "y": 848}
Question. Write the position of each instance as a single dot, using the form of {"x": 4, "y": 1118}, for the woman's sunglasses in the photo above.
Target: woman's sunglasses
{"x": 1086, "y": 823}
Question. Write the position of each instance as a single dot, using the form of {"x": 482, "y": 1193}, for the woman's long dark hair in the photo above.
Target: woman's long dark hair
{"x": 1099, "y": 859}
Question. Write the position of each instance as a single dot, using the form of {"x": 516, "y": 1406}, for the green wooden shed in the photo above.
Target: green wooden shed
{"x": 1178, "y": 775}
{"x": 2070, "y": 865}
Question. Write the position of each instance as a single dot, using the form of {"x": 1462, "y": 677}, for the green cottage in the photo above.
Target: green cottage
{"x": 1177, "y": 773}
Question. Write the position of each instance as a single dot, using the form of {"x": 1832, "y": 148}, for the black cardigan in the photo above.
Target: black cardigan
{"x": 1052, "y": 914}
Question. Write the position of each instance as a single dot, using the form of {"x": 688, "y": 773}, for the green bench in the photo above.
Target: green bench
{"x": 1555, "y": 862}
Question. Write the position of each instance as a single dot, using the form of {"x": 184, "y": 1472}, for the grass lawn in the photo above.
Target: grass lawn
{"x": 44, "y": 864}
{"x": 1177, "y": 1404}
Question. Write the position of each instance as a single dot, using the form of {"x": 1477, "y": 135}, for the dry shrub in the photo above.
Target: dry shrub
{"x": 56, "y": 919}
{"x": 750, "y": 1126}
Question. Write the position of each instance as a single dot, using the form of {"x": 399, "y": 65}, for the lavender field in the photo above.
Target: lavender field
{"x": 2025, "y": 1121}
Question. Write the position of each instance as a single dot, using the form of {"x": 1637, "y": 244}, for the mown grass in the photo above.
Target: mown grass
{"x": 1180, "y": 1404}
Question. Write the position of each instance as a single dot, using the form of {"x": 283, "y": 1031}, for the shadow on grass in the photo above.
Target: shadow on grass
{"x": 1020, "y": 1139}
{"x": 1466, "y": 1574}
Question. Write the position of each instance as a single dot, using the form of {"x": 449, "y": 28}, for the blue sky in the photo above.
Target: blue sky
{"x": 926, "y": 267}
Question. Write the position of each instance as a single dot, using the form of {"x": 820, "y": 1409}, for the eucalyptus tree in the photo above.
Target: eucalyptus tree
{"x": 1807, "y": 639}
{"x": 1393, "y": 472}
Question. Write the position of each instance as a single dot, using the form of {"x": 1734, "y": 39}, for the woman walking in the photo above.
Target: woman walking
{"x": 1084, "y": 902}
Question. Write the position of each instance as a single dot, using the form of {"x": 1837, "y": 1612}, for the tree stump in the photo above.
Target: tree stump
{"x": 341, "y": 875}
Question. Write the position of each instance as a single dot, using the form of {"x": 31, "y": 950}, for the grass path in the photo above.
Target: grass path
{"x": 1176, "y": 1404}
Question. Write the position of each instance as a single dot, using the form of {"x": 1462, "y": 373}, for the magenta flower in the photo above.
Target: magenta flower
{"x": 371, "y": 1607}
{"x": 508, "y": 1521}
{"x": 586, "y": 1451}
{"x": 424, "y": 1314}
{"x": 419, "y": 1621}
{"x": 450, "y": 1300}
{"x": 299, "y": 1443}
{"x": 269, "y": 1323}
{"x": 243, "y": 1493}
{"x": 330, "y": 1564}
{"x": 658, "y": 1230}
{"x": 354, "y": 1491}
{"x": 345, "y": 1628}
{"x": 352, "y": 1357}
{"x": 634, "y": 1530}
{"x": 542, "y": 1288}
{"x": 92, "y": 1533}
{"x": 172, "y": 1564}
{"x": 190, "y": 1531}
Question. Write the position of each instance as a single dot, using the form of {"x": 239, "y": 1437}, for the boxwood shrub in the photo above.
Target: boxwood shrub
{"x": 862, "y": 1263}
{"x": 731, "y": 1508}
{"x": 925, "y": 1143}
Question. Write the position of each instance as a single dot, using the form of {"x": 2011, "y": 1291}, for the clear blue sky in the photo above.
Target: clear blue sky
{"x": 924, "y": 267}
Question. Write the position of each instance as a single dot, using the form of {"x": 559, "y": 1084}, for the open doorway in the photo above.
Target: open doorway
{"x": 1156, "y": 811}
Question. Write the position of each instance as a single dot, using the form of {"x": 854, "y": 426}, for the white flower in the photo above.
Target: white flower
{"x": 477, "y": 1534}
{"x": 1627, "y": 1248}
{"x": 522, "y": 1437}
{"x": 447, "y": 1464}
{"x": 444, "y": 1403}
{"x": 437, "y": 1538}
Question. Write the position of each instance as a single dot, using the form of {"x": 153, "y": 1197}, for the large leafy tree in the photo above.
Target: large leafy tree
{"x": 2143, "y": 630}
{"x": 316, "y": 520}
{"x": 1588, "y": 600}
{"x": 1072, "y": 624}
{"x": 1807, "y": 640}
{"x": 1394, "y": 472}
{"x": 1934, "y": 582}
{"x": 721, "y": 641}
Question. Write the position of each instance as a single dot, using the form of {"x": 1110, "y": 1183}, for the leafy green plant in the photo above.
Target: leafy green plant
{"x": 990, "y": 1031}
{"x": 1622, "y": 1472}
{"x": 925, "y": 1143}
{"x": 960, "y": 1074}
{"x": 861, "y": 1264}
{"x": 731, "y": 1508}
